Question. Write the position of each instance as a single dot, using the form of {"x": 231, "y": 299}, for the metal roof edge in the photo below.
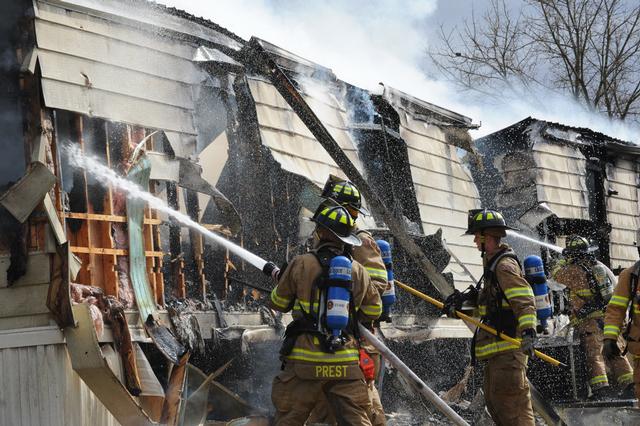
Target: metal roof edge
{"x": 155, "y": 14}
{"x": 418, "y": 104}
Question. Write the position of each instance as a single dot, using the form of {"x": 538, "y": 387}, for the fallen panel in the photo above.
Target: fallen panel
{"x": 91, "y": 365}
{"x": 28, "y": 192}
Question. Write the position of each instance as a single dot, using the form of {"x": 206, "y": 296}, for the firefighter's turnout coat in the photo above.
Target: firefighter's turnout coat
{"x": 587, "y": 315}
{"x": 505, "y": 302}
{"x": 369, "y": 256}
{"x": 295, "y": 292}
{"x": 310, "y": 373}
{"x": 626, "y": 297}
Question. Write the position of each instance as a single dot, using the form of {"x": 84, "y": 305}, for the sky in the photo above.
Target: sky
{"x": 366, "y": 42}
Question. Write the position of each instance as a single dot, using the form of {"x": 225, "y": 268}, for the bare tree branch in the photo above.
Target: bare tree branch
{"x": 589, "y": 49}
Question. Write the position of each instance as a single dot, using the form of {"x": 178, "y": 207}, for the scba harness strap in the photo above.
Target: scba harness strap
{"x": 503, "y": 320}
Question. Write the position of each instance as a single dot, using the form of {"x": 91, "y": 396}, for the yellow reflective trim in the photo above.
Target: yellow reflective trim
{"x": 482, "y": 310}
{"x": 333, "y": 215}
{"x": 583, "y": 292}
{"x": 619, "y": 298}
{"x": 371, "y": 310}
{"x": 510, "y": 293}
{"x": 347, "y": 190}
{"x": 305, "y": 307}
{"x": 599, "y": 379}
{"x": 325, "y": 211}
{"x": 611, "y": 329}
{"x": 625, "y": 378}
{"x": 338, "y": 188}
{"x": 618, "y": 303}
{"x": 356, "y": 192}
{"x": 281, "y": 302}
{"x": 343, "y": 219}
{"x": 490, "y": 216}
{"x": 345, "y": 355}
{"x": 492, "y": 348}
{"x": 527, "y": 320}
{"x": 377, "y": 272}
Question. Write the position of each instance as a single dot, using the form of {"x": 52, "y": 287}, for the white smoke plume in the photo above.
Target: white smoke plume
{"x": 367, "y": 42}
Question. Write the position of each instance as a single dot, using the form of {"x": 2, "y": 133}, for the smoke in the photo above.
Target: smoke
{"x": 367, "y": 42}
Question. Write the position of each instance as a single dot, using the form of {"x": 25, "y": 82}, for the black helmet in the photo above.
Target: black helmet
{"x": 481, "y": 220}
{"x": 578, "y": 245}
{"x": 337, "y": 220}
{"x": 345, "y": 193}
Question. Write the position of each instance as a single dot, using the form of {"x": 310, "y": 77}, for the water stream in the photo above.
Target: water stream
{"x": 550, "y": 246}
{"x": 104, "y": 173}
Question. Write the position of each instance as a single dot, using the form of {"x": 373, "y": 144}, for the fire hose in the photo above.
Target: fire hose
{"x": 477, "y": 323}
{"x": 420, "y": 386}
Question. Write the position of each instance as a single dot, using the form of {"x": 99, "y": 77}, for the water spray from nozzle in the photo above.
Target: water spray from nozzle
{"x": 106, "y": 175}
{"x": 550, "y": 246}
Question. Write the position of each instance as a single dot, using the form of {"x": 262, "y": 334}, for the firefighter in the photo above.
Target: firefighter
{"x": 505, "y": 301}
{"x": 590, "y": 289}
{"x": 314, "y": 364}
{"x": 625, "y": 297}
{"x": 368, "y": 255}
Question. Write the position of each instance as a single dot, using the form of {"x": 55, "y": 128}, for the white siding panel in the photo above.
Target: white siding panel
{"x": 116, "y": 107}
{"x": 95, "y": 25}
{"x": 444, "y": 189}
{"x": 98, "y": 48}
{"x": 57, "y": 66}
{"x": 623, "y": 211}
{"x": 560, "y": 179}
{"x": 41, "y": 388}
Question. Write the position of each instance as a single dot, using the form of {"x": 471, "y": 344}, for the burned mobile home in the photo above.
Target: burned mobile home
{"x": 112, "y": 312}
{"x": 554, "y": 180}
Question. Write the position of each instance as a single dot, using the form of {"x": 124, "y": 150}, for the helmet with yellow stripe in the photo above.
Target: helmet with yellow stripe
{"x": 577, "y": 246}
{"x": 344, "y": 193}
{"x": 337, "y": 220}
{"x": 487, "y": 222}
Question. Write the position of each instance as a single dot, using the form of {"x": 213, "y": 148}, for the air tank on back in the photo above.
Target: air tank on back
{"x": 338, "y": 298}
{"x": 535, "y": 276}
{"x": 389, "y": 295}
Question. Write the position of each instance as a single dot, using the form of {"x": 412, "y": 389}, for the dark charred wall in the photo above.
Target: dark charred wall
{"x": 266, "y": 196}
{"x": 14, "y": 47}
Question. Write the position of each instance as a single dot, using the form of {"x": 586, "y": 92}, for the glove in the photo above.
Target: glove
{"x": 270, "y": 269}
{"x": 455, "y": 300}
{"x": 610, "y": 349}
{"x": 529, "y": 338}
{"x": 453, "y": 303}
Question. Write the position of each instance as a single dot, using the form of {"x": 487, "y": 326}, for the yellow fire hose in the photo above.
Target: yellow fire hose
{"x": 477, "y": 323}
